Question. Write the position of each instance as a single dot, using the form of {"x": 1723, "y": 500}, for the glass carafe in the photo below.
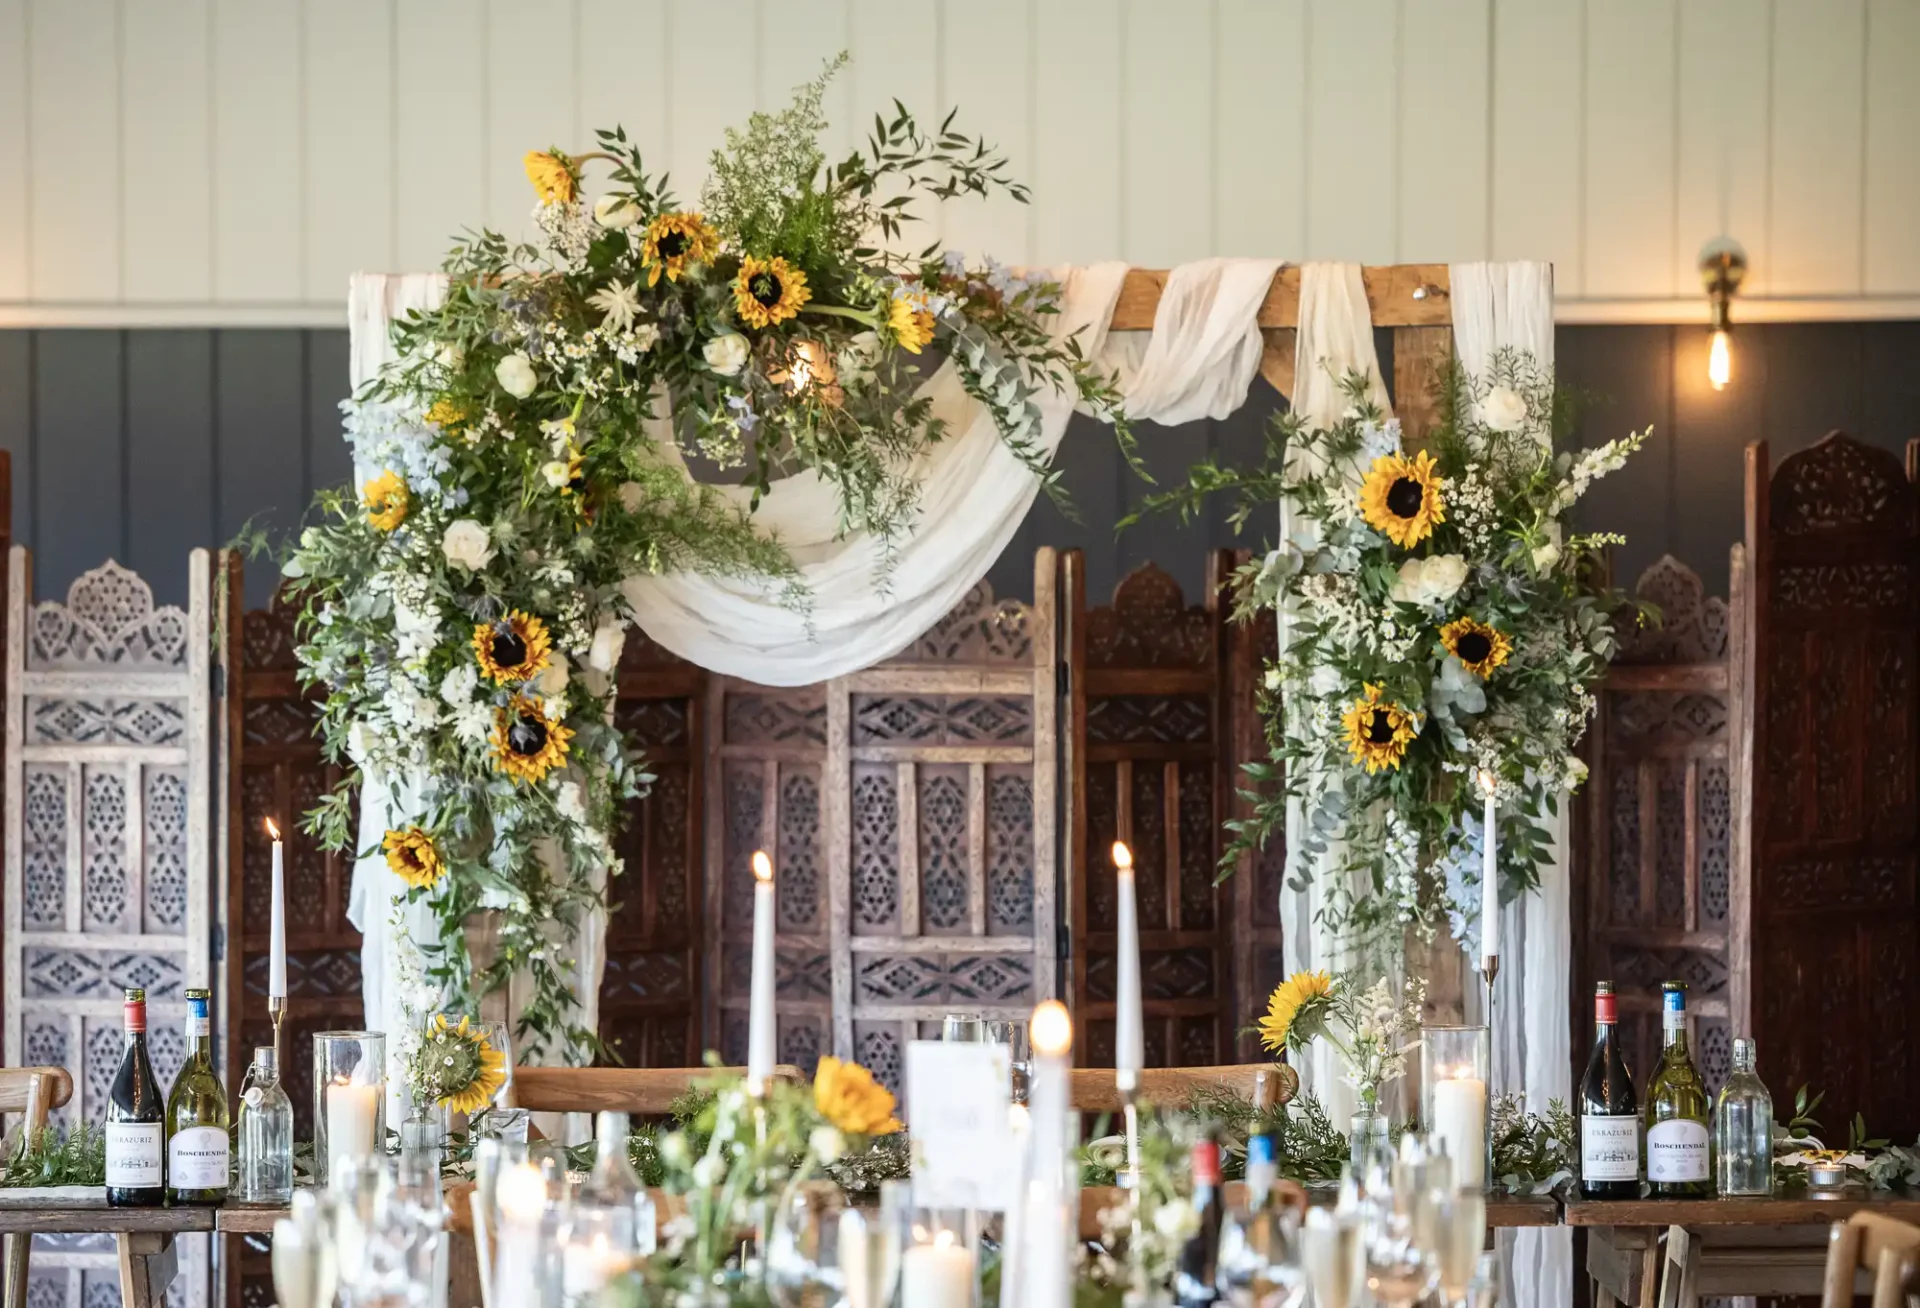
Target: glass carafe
{"x": 1743, "y": 1129}
{"x": 266, "y": 1135}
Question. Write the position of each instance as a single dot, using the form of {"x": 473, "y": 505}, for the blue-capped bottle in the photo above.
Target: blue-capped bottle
{"x": 1679, "y": 1163}
{"x": 197, "y": 1154}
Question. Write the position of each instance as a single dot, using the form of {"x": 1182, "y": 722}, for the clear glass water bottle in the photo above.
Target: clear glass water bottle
{"x": 1743, "y": 1129}
{"x": 266, "y": 1134}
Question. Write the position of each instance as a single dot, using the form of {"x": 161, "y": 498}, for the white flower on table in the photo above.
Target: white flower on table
{"x": 726, "y": 354}
{"x": 467, "y": 544}
{"x": 618, "y": 304}
{"x": 1504, "y": 409}
{"x": 1430, "y": 581}
{"x": 516, "y": 375}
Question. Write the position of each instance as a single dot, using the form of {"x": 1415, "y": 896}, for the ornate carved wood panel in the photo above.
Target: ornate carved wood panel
{"x": 1663, "y": 897}
{"x": 1836, "y": 892}
{"x": 1149, "y": 695}
{"x": 108, "y": 760}
{"x": 650, "y": 1011}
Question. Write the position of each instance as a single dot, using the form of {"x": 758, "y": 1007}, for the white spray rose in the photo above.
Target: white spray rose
{"x": 1504, "y": 409}
{"x": 614, "y": 212}
{"x": 516, "y": 376}
{"x": 553, "y": 679}
{"x": 609, "y": 638}
{"x": 1430, "y": 581}
{"x": 726, "y": 354}
{"x": 468, "y": 544}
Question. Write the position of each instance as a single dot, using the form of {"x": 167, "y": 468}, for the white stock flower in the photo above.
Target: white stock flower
{"x": 615, "y": 212}
{"x": 468, "y": 544}
{"x": 609, "y": 638}
{"x": 1430, "y": 581}
{"x": 1504, "y": 409}
{"x": 569, "y": 803}
{"x": 1547, "y": 553}
{"x": 553, "y": 679}
{"x": 726, "y": 354}
{"x": 516, "y": 376}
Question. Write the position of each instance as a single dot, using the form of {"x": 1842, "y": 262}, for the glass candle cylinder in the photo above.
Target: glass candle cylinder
{"x": 349, "y": 1098}
{"x": 937, "y": 1268}
{"x": 1456, "y": 1070}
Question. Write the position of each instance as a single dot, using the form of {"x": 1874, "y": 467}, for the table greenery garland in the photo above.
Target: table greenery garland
{"x": 465, "y": 608}
{"x": 1442, "y": 622}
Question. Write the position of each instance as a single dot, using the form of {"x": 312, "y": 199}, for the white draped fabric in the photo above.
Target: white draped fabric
{"x": 1510, "y": 306}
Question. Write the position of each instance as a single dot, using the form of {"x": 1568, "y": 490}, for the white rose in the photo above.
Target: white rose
{"x": 726, "y": 354}
{"x": 516, "y": 376}
{"x": 468, "y": 544}
{"x": 1575, "y": 774}
{"x": 553, "y": 678}
{"x": 632, "y": 495}
{"x": 614, "y": 212}
{"x": 1504, "y": 409}
{"x": 609, "y": 638}
{"x": 1430, "y": 581}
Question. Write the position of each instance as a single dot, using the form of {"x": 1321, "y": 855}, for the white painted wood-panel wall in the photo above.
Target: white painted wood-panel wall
{"x": 231, "y": 161}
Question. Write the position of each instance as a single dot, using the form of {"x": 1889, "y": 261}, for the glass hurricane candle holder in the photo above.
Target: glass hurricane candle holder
{"x": 1456, "y": 1069}
{"x": 937, "y": 1267}
{"x": 349, "y": 1098}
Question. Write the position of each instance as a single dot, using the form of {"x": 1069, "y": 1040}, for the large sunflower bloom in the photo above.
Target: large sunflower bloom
{"x": 526, "y": 746}
{"x": 514, "y": 649}
{"x": 1377, "y": 731}
{"x": 552, "y": 176}
{"x": 413, "y": 856}
{"x": 488, "y": 1066}
{"x": 910, "y": 320}
{"x": 386, "y": 499}
{"x": 847, "y": 1096}
{"x": 674, "y": 241}
{"x": 1297, "y": 1011}
{"x": 1400, "y": 498}
{"x": 768, "y": 291}
{"x": 1479, "y": 648}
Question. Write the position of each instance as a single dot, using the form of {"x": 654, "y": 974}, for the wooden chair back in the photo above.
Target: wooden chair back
{"x": 33, "y": 1092}
{"x": 1886, "y": 1249}
{"x": 641, "y": 1091}
{"x": 1092, "y": 1089}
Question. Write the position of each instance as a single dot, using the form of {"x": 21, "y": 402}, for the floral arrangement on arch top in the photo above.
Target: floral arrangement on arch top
{"x": 1443, "y": 627}
{"x": 465, "y": 610}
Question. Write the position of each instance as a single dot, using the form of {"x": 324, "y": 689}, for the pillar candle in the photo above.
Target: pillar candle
{"x": 1460, "y": 1119}
{"x": 760, "y": 995}
{"x": 277, "y": 939}
{"x": 1490, "y": 874}
{"x": 522, "y": 1199}
{"x": 937, "y": 1275}
{"x": 1129, "y": 1027}
{"x": 352, "y": 1113}
{"x": 1052, "y": 1191}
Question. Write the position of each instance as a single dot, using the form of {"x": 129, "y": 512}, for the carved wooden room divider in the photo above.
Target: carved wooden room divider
{"x": 1659, "y": 822}
{"x": 910, "y": 811}
{"x": 1833, "y": 534}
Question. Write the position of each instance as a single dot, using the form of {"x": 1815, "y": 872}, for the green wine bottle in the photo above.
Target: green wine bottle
{"x": 197, "y": 1117}
{"x": 1677, "y": 1157}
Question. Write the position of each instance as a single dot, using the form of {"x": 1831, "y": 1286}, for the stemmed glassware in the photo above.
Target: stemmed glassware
{"x": 804, "y": 1258}
{"x": 1331, "y": 1254}
{"x": 1259, "y": 1262}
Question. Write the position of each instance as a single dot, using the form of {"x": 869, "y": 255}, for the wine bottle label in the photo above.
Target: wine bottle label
{"x": 197, "y": 1159}
{"x": 1609, "y": 1148}
{"x": 134, "y": 1152}
{"x": 1677, "y": 1151}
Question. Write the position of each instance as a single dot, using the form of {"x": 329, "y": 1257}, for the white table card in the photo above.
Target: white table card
{"x": 958, "y": 1096}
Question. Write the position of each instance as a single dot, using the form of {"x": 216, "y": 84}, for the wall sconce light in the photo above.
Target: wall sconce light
{"x": 1723, "y": 266}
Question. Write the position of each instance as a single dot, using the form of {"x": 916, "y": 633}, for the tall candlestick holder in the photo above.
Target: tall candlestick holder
{"x": 277, "y": 1010}
{"x": 1489, "y": 969}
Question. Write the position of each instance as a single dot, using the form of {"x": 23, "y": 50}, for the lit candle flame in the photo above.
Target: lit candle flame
{"x": 762, "y": 866}
{"x": 1488, "y": 782}
{"x": 273, "y": 830}
{"x": 1122, "y": 856}
{"x": 1051, "y": 1030}
{"x": 522, "y": 1193}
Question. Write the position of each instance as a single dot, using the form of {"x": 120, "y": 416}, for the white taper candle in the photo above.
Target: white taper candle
{"x": 277, "y": 938}
{"x": 1490, "y": 873}
{"x": 1129, "y": 1026}
{"x": 1051, "y": 1220}
{"x": 760, "y": 996}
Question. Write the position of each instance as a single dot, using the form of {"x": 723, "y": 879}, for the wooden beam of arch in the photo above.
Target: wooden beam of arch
{"x": 1400, "y": 295}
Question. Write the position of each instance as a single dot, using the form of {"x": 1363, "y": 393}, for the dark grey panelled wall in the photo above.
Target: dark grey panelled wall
{"x": 141, "y": 444}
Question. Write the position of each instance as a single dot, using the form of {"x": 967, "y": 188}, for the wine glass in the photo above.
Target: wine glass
{"x": 869, "y": 1247}
{"x": 803, "y": 1250}
{"x": 1330, "y": 1253}
{"x": 1460, "y": 1231}
{"x": 1483, "y": 1291}
{"x": 1259, "y": 1261}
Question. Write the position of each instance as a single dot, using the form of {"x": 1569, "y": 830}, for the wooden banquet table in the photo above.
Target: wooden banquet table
{"x": 1775, "y": 1244}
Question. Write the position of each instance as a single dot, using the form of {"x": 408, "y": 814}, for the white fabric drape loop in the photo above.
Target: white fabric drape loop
{"x": 1204, "y": 349}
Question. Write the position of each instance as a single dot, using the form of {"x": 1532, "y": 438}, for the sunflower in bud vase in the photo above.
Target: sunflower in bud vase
{"x": 523, "y": 463}
{"x": 455, "y": 1066}
{"x": 1373, "y": 1027}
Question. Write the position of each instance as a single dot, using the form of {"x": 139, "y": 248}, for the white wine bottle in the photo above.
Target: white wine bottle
{"x": 136, "y": 1120}
{"x": 1678, "y": 1165}
{"x": 197, "y": 1171}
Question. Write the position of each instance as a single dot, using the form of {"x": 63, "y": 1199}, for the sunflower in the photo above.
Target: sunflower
{"x": 910, "y": 320}
{"x": 1479, "y": 648}
{"x": 672, "y": 242}
{"x": 526, "y": 745}
{"x": 1401, "y": 498}
{"x": 386, "y": 500}
{"x": 1377, "y": 732}
{"x": 847, "y": 1096}
{"x": 552, "y": 176}
{"x": 767, "y": 291}
{"x": 1297, "y": 1012}
{"x": 462, "y": 1065}
{"x": 513, "y": 649}
{"x": 414, "y": 858}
